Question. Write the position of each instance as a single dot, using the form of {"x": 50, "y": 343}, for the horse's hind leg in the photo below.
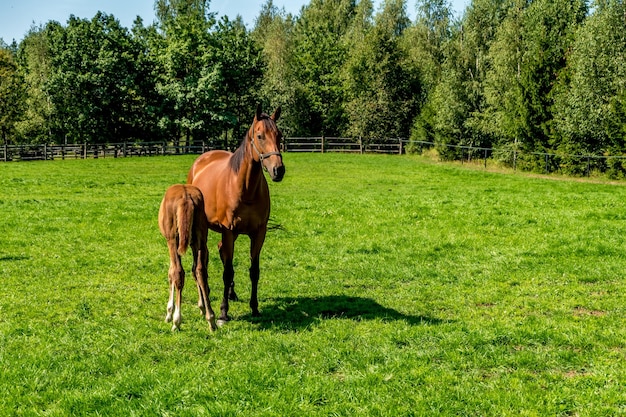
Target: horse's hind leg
{"x": 232, "y": 295}
{"x": 176, "y": 276}
{"x": 200, "y": 273}
{"x": 226, "y": 248}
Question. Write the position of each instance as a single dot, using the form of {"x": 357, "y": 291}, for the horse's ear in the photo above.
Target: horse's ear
{"x": 259, "y": 111}
{"x": 276, "y": 114}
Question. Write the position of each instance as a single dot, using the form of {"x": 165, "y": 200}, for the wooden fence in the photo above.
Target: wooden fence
{"x": 87, "y": 150}
{"x": 331, "y": 144}
{"x": 120, "y": 150}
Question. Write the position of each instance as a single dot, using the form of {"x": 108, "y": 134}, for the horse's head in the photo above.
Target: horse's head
{"x": 265, "y": 138}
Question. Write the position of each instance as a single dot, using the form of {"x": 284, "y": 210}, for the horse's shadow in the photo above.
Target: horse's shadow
{"x": 295, "y": 313}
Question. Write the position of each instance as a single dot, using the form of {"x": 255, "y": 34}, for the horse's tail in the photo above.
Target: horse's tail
{"x": 184, "y": 218}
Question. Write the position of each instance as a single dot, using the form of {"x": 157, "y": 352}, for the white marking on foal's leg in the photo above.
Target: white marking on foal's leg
{"x": 170, "y": 305}
{"x": 177, "y": 319}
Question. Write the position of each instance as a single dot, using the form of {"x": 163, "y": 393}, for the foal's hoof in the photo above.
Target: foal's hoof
{"x": 175, "y": 328}
{"x": 232, "y": 296}
{"x": 213, "y": 325}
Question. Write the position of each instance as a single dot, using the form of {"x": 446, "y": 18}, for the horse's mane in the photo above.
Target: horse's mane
{"x": 237, "y": 157}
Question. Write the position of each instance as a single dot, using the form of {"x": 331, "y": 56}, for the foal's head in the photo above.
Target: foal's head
{"x": 265, "y": 139}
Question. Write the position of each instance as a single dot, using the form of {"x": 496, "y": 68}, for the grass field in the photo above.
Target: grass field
{"x": 390, "y": 286}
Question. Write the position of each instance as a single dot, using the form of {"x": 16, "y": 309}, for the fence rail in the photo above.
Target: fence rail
{"x": 337, "y": 144}
{"x": 549, "y": 162}
{"x": 119, "y": 150}
{"x": 87, "y": 150}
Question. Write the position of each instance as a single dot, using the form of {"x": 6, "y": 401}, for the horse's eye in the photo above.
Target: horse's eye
{"x": 259, "y": 136}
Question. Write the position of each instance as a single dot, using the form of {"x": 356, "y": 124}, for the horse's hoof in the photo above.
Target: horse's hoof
{"x": 175, "y": 328}
{"x": 256, "y": 313}
{"x": 232, "y": 296}
{"x": 222, "y": 321}
{"x": 168, "y": 318}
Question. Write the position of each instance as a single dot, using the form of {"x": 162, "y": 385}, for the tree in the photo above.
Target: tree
{"x": 241, "y": 70}
{"x": 425, "y": 42}
{"x": 273, "y": 33}
{"x": 35, "y": 61}
{"x": 93, "y": 84}
{"x": 382, "y": 94}
{"x": 591, "y": 107}
{"x": 526, "y": 60}
{"x": 318, "y": 56}
{"x": 189, "y": 76}
{"x": 12, "y": 94}
{"x": 452, "y": 112}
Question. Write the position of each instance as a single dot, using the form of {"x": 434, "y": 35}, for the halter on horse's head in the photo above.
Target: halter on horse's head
{"x": 265, "y": 138}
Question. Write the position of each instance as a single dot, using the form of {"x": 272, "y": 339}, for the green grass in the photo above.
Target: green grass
{"x": 389, "y": 286}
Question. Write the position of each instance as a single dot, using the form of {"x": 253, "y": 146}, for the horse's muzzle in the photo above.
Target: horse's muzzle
{"x": 277, "y": 173}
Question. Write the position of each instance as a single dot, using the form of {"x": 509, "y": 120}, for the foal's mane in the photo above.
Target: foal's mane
{"x": 237, "y": 157}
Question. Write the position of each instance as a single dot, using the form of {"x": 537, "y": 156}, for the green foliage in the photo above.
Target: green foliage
{"x": 273, "y": 34}
{"x": 527, "y": 58}
{"x": 241, "y": 71}
{"x": 93, "y": 83}
{"x": 542, "y": 77}
{"x": 11, "y": 94}
{"x": 34, "y": 56}
{"x": 591, "y": 106}
{"x": 318, "y": 54}
{"x": 382, "y": 94}
{"x": 389, "y": 286}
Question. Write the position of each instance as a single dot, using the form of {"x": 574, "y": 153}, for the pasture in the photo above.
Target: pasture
{"x": 390, "y": 286}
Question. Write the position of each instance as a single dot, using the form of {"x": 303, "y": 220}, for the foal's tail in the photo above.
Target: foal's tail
{"x": 184, "y": 219}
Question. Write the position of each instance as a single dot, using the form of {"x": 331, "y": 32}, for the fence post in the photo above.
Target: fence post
{"x": 85, "y": 151}
{"x": 485, "y": 158}
{"x": 322, "y": 143}
{"x": 400, "y": 147}
{"x": 6, "y": 150}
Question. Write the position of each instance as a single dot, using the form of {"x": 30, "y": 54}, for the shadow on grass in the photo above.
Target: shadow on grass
{"x": 11, "y": 258}
{"x": 294, "y": 313}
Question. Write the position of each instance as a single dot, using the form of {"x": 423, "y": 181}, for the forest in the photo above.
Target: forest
{"x": 537, "y": 76}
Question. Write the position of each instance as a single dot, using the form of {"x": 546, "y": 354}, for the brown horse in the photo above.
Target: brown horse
{"x": 183, "y": 223}
{"x": 237, "y": 198}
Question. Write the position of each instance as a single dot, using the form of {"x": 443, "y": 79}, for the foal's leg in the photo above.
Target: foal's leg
{"x": 176, "y": 276}
{"x": 201, "y": 257}
{"x": 226, "y": 248}
{"x": 256, "y": 243}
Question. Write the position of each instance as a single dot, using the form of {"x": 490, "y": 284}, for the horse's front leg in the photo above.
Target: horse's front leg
{"x": 226, "y": 248}
{"x": 256, "y": 243}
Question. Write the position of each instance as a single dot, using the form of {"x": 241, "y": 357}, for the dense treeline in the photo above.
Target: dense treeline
{"x": 538, "y": 76}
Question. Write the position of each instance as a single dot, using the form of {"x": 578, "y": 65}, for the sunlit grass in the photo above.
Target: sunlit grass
{"x": 389, "y": 286}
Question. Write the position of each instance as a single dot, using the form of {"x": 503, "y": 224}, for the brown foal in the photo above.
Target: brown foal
{"x": 183, "y": 223}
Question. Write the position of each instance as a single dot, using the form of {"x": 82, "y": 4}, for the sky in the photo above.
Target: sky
{"x": 17, "y": 16}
